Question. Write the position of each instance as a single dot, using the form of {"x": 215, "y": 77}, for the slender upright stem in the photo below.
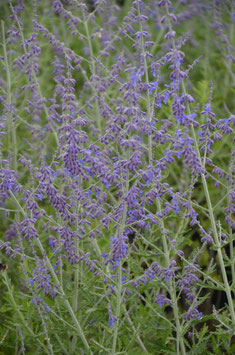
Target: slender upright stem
{"x": 213, "y": 223}
{"x": 93, "y": 70}
{"x": 180, "y": 342}
{"x": 231, "y": 232}
{"x": 149, "y": 115}
{"x": 12, "y": 142}
{"x": 119, "y": 282}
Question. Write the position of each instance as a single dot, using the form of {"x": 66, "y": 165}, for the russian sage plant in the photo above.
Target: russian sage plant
{"x": 117, "y": 177}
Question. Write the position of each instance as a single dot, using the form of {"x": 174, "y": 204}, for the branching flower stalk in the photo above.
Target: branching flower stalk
{"x": 208, "y": 199}
{"x": 98, "y": 252}
{"x": 34, "y": 75}
{"x": 149, "y": 114}
{"x": 180, "y": 341}
{"x": 11, "y": 126}
{"x": 22, "y": 318}
{"x": 93, "y": 70}
{"x": 58, "y": 284}
{"x": 65, "y": 300}
{"x": 213, "y": 224}
{"x": 119, "y": 281}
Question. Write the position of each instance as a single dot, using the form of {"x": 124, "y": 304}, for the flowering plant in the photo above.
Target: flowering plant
{"x": 117, "y": 176}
